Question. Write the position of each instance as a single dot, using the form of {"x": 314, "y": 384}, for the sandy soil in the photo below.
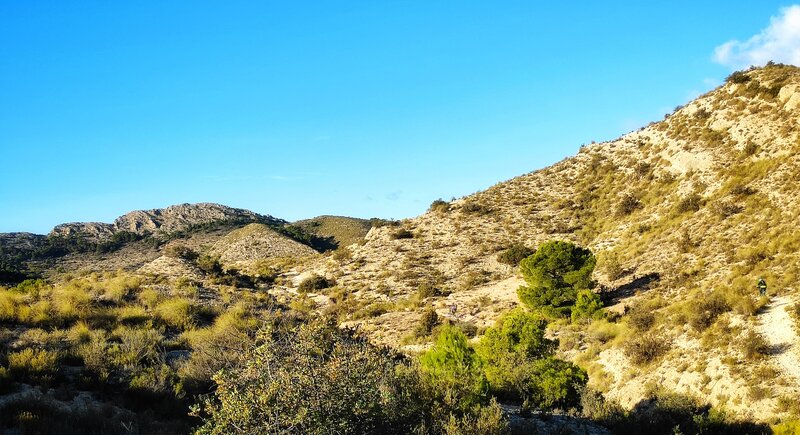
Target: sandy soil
{"x": 777, "y": 327}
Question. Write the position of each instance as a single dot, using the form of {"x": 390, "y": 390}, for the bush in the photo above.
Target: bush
{"x": 646, "y": 348}
{"x": 427, "y": 322}
{"x": 691, "y": 202}
{"x": 455, "y": 372}
{"x": 314, "y": 283}
{"x": 555, "y": 274}
{"x": 209, "y": 265}
{"x": 440, "y": 206}
{"x": 519, "y": 364}
{"x": 754, "y": 346}
{"x": 180, "y": 251}
{"x": 474, "y": 207}
{"x": 515, "y": 254}
{"x": 316, "y": 379}
{"x": 402, "y": 233}
{"x": 641, "y": 320}
{"x": 738, "y": 77}
{"x": 179, "y": 313}
{"x": 37, "y": 365}
{"x": 628, "y": 204}
{"x": 427, "y": 290}
{"x": 587, "y": 306}
{"x": 705, "y": 311}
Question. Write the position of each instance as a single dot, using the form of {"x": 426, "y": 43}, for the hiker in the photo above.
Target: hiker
{"x": 762, "y": 286}
{"x": 453, "y": 309}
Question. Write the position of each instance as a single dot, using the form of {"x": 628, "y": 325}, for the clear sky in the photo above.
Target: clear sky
{"x": 298, "y": 109}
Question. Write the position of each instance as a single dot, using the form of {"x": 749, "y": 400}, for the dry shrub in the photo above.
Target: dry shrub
{"x": 754, "y": 346}
{"x": 641, "y": 320}
{"x": 645, "y": 349}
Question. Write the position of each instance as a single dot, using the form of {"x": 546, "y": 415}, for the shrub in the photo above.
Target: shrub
{"x": 641, "y": 320}
{"x": 314, "y": 283}
{"x": 587, "y": 306}
{"x": 474, "y": 207}
{"x": 628, "y": 204}
{"x": 37, "y": 365}
{"x": 705, "y": 311}
{"x": 178, "y": 313}
{"x": 787, "y": 428}
{"x": 738, "y": 77}
{"x": 427, "y": 290}
{"x": 646, "y": 348}
{"x": 454, "y": 371}
{"x": 519, "y": 363}
{"x": 515, "y": 254}
{"x": 440, "y": 206}
{"x": 611, "y": 265}
{"x": 742, "y": 190}
{"x": 726, "y": 209}
{"x": 209, "y": 265}
{"x": 754, "y": 346}
{"x": 316, "y": 379}
{"x": 555, "y": 274}
{"x": 427, "y": 322}
{"x": 180, "y": 251}
{"x": 402, "y": 233}
{"x": 691, "y": 202}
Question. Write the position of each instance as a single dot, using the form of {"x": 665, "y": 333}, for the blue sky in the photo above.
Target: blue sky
{"x": 298, "y": 109}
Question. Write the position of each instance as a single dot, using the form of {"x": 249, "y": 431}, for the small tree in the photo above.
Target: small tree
{"x": 520, "y": 366}
{"x": 455, "y": 372}
{"x": 555, "y": 274}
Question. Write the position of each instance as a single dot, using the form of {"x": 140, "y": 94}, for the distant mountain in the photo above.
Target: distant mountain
{"x": 162, "y": 221}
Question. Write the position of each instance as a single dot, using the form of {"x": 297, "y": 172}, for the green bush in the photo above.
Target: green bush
{"x": 705, "y": 311}
{"x": 691, "y": 202}
{"x": 427, "y": 290}
{"x": 519, "y": 364}
{"x": 183, "y": 252}
{"x": 587, "y": 306}
{"x": 555, "y": 274}
{"x": 37, "y": 365}
{"x": 210, "y": 265}
{"x": 515, "y": 254}
{"x": 316, "y": 379}
{"x": 738, "y": 77}
{"x": 455, "y": 371}
{"x": 641, "y": 319}
{"x": 314, "y": 283}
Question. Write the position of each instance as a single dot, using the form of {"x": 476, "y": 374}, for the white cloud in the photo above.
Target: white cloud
{"x": 779, "y": 42}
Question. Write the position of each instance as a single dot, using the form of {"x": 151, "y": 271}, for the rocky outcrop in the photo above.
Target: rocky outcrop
{"x": 161, "y": 221}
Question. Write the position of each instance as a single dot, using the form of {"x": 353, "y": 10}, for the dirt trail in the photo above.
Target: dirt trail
{"x": 777, "y": 327}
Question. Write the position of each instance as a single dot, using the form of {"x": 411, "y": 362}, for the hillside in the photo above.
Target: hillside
{"x": 139, "y": 237}
{"x": 699, "y": 204}
{"x": 339, "y": 231}
{"x": 683, "y": 215}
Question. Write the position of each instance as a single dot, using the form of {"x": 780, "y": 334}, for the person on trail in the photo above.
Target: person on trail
{"x": 762, "y": 286}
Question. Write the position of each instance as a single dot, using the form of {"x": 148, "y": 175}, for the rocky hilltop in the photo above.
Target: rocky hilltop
{"x": 161, "y": 221}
